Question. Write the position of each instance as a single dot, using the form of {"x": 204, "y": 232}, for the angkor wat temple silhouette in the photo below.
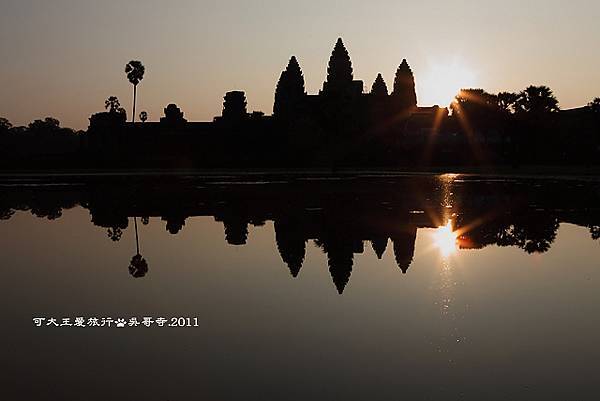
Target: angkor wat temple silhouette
{"x": 343, "y": 126}
{"x": 340, "y": 125}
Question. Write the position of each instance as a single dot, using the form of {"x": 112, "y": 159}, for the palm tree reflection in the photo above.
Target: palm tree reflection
{"x": 138, "y": 267}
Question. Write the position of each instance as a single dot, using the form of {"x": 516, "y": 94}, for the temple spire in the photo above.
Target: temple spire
{"x": 379, "y": 87}
{"x": 404, "y": 87}
{"x": 290, "y": 89}
{"x": 339, "y": 70}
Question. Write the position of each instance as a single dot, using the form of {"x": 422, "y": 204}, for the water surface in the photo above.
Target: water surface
{"x": 380, "y": 287}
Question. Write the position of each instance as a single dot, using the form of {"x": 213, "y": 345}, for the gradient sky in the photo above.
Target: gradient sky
{"x": 62, "y": 58}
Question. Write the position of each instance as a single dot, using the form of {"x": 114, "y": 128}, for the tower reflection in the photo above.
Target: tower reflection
{"x": 338, "y": 215}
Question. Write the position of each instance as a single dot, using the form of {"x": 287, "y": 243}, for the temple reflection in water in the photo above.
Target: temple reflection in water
{"x": 339, "y": 215}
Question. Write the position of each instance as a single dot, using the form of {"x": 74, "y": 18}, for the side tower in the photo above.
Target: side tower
{"x": 404, "y": 94}
{"x": 290, "y": 93}
{"x": 234, "y": 106}
{"x": 379, "y": 88}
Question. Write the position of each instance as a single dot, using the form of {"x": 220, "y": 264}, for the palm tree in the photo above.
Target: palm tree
{"x": 537, "y": 101}
{"x": 135, "y": 73}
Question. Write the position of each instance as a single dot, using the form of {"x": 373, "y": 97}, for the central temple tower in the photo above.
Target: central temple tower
{"x": 340, "y": 80}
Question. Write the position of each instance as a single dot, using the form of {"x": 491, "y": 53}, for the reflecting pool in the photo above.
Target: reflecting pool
{"x": 354, "y": 287}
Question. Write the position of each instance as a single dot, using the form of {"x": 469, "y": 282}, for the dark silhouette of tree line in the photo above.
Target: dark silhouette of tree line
{"x": 40, "y": 142}
{"x": 519, "y": 127}
{"x": 340, "y": 217}
{"x": 341, "y": 126}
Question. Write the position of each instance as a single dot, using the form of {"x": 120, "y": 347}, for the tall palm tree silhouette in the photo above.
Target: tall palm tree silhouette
{"x": 135, "y": 73}
{"x": 138, "y": 267}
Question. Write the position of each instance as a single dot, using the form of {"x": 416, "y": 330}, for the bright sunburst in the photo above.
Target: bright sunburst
{"x": 443, "y": 80}
{"x": 444, "y": 238}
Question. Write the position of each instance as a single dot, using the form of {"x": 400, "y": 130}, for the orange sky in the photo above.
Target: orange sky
{"x": 63, "y": 58}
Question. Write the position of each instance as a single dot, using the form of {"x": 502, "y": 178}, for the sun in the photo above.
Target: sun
{"x": 442, "y": 81}
{"x": 444, "y": 239}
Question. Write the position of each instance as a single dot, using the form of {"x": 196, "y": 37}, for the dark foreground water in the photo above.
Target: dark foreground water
{"x": 359, "y": 288}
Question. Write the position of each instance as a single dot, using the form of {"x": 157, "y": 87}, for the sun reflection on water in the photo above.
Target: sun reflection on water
{"x": 445, "y": 239}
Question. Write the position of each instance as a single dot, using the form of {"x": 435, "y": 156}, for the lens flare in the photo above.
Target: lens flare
{"x": 442, "y": 81}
